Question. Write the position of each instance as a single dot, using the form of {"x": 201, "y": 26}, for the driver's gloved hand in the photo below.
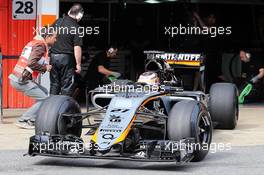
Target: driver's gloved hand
{"x": 116, "y": 74}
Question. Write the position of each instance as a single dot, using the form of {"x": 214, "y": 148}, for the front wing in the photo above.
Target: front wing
{"x": 149, "y": 150}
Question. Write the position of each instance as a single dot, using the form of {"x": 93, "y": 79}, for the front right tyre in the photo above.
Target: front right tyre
{"x": 51, "y": 120}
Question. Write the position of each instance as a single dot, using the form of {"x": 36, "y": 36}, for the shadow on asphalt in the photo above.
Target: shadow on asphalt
{"x": 212, "y": 158}
{"x": 113, "y": 164}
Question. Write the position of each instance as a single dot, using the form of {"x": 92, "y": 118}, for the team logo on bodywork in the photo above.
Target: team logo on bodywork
{"x": 115, "y": 118}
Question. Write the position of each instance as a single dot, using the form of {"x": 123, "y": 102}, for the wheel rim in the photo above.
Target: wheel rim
{"x": 64, "y": 123}
{"x": 204, "y": 129}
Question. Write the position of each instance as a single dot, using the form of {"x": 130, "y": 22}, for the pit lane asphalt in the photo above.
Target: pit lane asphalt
{"x": 243, "y": 155}
{"x": 241, "y": 160}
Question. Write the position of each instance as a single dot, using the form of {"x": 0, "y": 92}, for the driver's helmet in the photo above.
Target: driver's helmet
{"x": 150, "y": 78}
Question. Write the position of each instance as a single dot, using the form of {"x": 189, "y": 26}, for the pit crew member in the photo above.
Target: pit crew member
{"x": 33, "y": 60}
{"x": 99, "y": 68}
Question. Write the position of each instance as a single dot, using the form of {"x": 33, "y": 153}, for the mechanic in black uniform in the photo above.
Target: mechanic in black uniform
{"x": 99, "y": 68}
{"x": 190, "y": 43}
{"x": 252, "y": 67}
{"x": 252, "y": 72}
{"x": 66, "y": 54}
{"x": 210, "y": 46}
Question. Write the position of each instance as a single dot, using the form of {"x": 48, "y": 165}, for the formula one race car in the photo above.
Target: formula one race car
{"x": 152, "y": 119}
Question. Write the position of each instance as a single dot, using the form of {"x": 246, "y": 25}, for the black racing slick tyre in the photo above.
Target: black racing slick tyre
{"x": 190, "y": 119}
{"x": 49, "y": 118}
{"x": 223, "y": 105}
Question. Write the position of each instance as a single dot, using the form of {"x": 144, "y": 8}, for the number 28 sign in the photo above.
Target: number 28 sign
{"x": 24, "y": 9}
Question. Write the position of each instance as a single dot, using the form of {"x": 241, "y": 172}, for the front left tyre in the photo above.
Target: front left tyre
{"x": 190, "y": 119}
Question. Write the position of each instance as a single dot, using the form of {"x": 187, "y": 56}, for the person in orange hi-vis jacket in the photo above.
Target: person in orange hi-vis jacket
{"x": 32, "y": 61}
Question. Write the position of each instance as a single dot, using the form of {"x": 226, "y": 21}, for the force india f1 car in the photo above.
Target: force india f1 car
{"x": 164, "y": 124}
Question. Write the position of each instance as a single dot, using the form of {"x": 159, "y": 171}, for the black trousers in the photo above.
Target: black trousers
{"x": 62, "y": 74}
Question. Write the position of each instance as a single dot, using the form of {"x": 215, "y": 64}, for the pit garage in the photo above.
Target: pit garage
{"x": 138, "y": 26}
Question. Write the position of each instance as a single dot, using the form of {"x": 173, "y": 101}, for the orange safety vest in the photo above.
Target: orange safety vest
{"x": 22, "y": 63}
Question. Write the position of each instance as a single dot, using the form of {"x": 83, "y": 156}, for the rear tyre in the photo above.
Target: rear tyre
{"x": 49, "y": 118}
{"x": 223, "y": 105}
{"x": 187, "y": 119}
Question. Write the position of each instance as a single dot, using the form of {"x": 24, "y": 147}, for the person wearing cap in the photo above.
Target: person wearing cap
{"x": 99, "y": 68}
{"x": 32, "y": 61}
{"x": 66, "y": 54}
